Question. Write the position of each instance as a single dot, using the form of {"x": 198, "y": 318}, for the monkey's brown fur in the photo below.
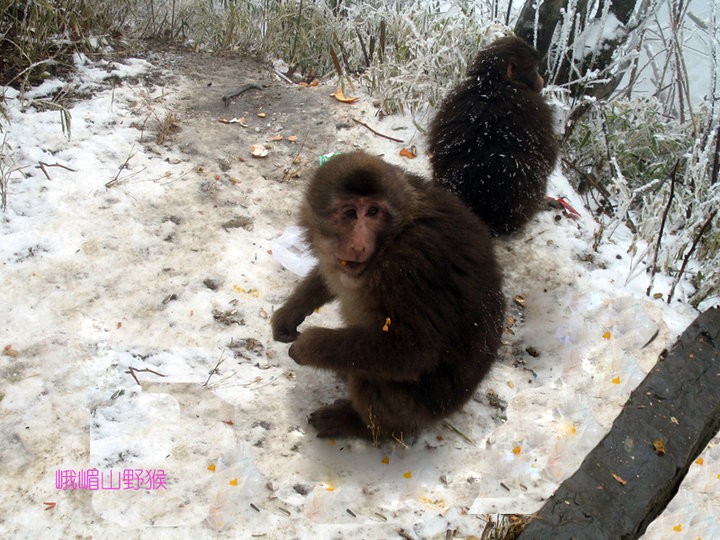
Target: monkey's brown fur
{"x": 492, "y": 140}
{"x": 431, "y": 271}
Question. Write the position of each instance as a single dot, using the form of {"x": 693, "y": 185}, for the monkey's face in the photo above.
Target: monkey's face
{"x": 539, "y": 82}
{"x": 353, "y": 230}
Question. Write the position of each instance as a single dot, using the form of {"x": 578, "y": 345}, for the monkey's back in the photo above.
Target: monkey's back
{"x": 442, "y": 290}
{"x": 493, "y": 144}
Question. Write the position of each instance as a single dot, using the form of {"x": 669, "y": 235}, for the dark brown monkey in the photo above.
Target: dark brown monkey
{"x": 419, "y": 290}
{"x": 492, "y": 140}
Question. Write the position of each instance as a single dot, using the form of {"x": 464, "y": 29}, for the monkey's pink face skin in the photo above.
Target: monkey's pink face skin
{"x": 357, "y": 222}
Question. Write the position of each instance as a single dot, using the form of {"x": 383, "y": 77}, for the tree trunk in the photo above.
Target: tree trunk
{"x": 550, "y": 14}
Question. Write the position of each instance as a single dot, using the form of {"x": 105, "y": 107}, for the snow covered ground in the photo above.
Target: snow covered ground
{"x": 162, "y": 273}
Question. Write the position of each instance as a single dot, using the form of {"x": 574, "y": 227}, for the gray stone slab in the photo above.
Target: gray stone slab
{"x": 625, "y": 482}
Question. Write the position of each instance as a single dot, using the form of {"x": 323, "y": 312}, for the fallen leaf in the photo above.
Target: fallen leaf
{"x": 275, "y": 138}
{"x": 516, "y": 450}
{"x": 259, "y": 150}
{"x": 211, "y": 467}
{"x": 407, "y": 153}
{"x": 616, "y": 380}
{"x": 314, "y": 82}
{"x": 659, "y": 446}
{"x": 385, "y": 460}
{"x": 407, "y": 474}
{"x": 340, "y": 96}
{"x": 619, "y": 479}
{"x": 261, "y": 115}
{"x": 677, "y": 528}
{"x": 606, "y": 335}
{"x": 511, "y": 384}
{"x": 519, "y": 300}
{"x": 699, "y": 461}
{"x": 234, "y": 482}
{"x": 50, "y": 505}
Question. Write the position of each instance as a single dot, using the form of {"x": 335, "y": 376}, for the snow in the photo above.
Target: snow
{"x": 103, "y": 286}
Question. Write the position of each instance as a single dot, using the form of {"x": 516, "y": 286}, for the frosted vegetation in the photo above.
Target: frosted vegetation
{"x": 640, "y": 130}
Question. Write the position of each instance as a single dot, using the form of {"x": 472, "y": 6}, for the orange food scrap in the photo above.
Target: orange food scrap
{"x": 340, "y": 96}
{"x": 386, "y": 326}
{"x": 233, "y": 482}
{"x": 511, "y": 384}
{"x": 344, "y": 263}
{"x": 261, "y": 115}
{"x": 606, "y": 335}
{"x": 211, "y": 467}
{"x": 619, "y": 479}
{"x": 699, "y": 461}
{"x": 516, "y": 450}
{"x": 659, "y": 446}
{"x": 292, "y": 138}
{"x": 385, "y": 460}
{"x": 407, "y": 474}
{"x": 407, "y": 153}
{"x": 677, "y": 528}
{"x": 616, "y": 380}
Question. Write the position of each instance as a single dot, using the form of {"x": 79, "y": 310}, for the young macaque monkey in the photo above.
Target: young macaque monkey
{"x": 492, "y": 140}
{"x": 419, "y": 290}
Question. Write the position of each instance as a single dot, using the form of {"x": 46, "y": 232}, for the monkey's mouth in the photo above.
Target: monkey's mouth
{"x": 352, "y": 267}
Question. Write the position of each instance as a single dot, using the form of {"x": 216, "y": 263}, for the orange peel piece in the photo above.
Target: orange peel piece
{"x": 340, "y": 96}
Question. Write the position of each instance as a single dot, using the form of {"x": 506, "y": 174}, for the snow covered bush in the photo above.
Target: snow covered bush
{"x": 658, "y": 175}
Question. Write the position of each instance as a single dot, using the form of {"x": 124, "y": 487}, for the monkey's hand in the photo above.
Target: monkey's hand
{"x": 308, "y": 347}
{"x": 284, "y": 325}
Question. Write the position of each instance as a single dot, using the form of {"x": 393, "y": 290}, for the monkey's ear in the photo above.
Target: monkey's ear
{"x": 511, "y": 71}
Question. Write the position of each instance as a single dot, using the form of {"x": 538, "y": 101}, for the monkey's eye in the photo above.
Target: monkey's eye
{"x": 351, "y": 213}
{"x": 373, "y": 211}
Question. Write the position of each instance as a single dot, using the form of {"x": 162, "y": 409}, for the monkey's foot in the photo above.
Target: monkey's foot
{"x": 338, "y": 420}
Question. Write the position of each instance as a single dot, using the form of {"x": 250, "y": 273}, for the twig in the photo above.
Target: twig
{"x": 283, "y": 77}
{"x": 132, "y": 371}
{"x": 362, "y": 46}
{"x": 114, "y": 181}
{"x": 458, "y": 432}
{"x": 716, "y": 160}
{"x": 662, "y": 227}
{"x": 41, "y": 165}
{"x": 588, "y": 178}
{"x": 213, "y": 371}
{"x": 703, "y": 229}
{"x": 297, "y": 32}
{"x": 375, "y": 132}
{"x": 399, "y": 440}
